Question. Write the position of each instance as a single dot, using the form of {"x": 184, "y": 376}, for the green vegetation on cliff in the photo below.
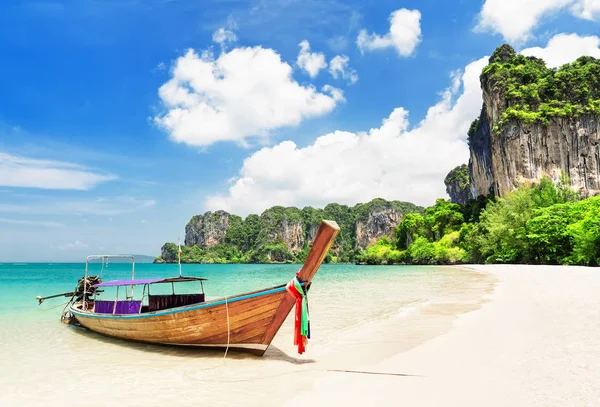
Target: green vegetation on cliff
{"x": 431, "y": 238}
{"x": 536, "y": 93}
{"x": 280, "y": 234}
{"x": 536, "y": 224}
{"x": 459, "y": 177}
{"x": 220, "y": 254}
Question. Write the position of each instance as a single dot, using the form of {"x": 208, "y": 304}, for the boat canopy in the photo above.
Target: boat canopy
{"x": 115, "y": 283}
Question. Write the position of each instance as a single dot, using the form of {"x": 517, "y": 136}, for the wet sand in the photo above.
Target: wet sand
{"x": 536, "y": 342}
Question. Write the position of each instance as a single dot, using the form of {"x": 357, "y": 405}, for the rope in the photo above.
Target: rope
{"x": 376, "y": 373}
{"x": 228, "y": 330}
{"x": 59, "y": 305}
{"x": 64, "y": 315}
{"x": 221, "y": 380}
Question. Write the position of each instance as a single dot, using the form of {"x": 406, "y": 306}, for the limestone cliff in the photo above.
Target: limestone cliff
{"x": 282, "y": 225}
{"x": 536, "y": 122}
{"x": 374, "y": 223}
{"x": 458, "y": 184}
{"x": 311, "y": 232}
{"x": 208, "y": 230}
{"x": 168, "y": 254}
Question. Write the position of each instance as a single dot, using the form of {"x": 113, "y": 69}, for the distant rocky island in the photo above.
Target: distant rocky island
{"x": 529, "y": 193}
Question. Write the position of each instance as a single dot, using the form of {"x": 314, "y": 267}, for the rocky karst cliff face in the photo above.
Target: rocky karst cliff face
{"x": 536, "y": 122}
{"x": 458, "y": 184}
{"x": 166, "y": 255}
{"x": 292, "y": 234}
{"x": 378, "y": 222}
{"x": 208, "y": 230}
{"x": 311, "y": 232}
{"x": 283, "y": 225}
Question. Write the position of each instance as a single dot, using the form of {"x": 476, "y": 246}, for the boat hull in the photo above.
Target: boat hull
{"x": 242, "y": 322}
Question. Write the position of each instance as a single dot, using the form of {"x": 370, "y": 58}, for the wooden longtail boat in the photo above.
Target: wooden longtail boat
{"x": 247, "y": 321}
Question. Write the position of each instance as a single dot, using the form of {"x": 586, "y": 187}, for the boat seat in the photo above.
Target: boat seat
{"x": 122, "y": 307}
{"x": 159, "y": 302}
{"x": 104, "y": 307}
{"x": 128, "y": 307}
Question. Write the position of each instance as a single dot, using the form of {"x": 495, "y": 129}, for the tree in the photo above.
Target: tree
{"x": 442, "y": 218}
{"x": 422, "y": 251}
{"x": 548, "y": 235}
{"x": 502, "y": 237}
{"x": 409, "y": 230}
{"x": 585, "y": 231}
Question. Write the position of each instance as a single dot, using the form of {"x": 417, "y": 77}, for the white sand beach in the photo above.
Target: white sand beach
{"x": 535, "y": 343}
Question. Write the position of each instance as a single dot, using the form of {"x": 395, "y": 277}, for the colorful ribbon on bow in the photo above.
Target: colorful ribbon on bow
{"x": 301, "y": 322}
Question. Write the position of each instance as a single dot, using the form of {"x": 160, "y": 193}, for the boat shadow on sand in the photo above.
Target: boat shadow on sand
{"x": 272, "y": 353}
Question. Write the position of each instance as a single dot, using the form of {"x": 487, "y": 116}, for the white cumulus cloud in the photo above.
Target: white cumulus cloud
{"x": 224, "y": 36}
{"x": 404, "y": 34}
{"x": 586, "y": 9}
{"x": 18, "y": 171}
{"x": 515, "y": 19}
{"x": 311, "y": 62}
{"x": 565, "y": 48}
{"x": 391, "y": 161}
{"x": 339, "y": 68}
{"x": 246, "y": 92}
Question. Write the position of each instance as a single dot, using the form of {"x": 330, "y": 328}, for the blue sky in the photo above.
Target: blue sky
{"x": 119, "y": 120}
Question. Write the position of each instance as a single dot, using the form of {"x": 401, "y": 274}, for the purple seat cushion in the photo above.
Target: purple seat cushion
{"x": 104, "y": 307}
{"x": 128, "y": 307}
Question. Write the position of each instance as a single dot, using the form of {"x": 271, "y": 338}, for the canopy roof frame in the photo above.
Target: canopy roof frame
{"x": 104, "y": 257}
{"x": 117, "y": 283}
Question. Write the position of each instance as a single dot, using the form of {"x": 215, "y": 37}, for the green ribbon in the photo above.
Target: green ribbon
{"x": 304, "y": 320}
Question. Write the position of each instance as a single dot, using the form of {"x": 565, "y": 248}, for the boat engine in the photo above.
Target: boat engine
{"x": 78, "y": 295}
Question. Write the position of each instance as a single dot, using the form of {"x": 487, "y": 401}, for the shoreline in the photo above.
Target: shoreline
{"x": 458, "y": 335}
{"x": 356, "y": 314}
{"x": 533, "y": 342}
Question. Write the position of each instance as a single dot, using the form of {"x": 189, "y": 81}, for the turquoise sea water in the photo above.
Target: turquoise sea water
{"x": 20, "y": 283}
{"x": 358, "y": 314}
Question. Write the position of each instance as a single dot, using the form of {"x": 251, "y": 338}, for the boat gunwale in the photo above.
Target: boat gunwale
{"x": 184, "y": 308}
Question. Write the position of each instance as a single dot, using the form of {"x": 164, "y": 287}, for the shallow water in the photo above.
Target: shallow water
{"x": 359, "y": 314}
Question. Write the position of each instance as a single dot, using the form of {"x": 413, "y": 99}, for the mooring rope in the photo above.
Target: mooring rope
{"x": 56, "y": 306}
{"x": 63, "y": 314}
{"x": 228, "y": 330}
